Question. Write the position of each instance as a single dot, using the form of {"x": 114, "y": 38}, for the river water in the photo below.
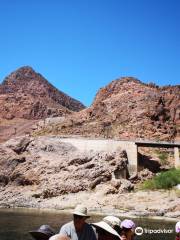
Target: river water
{"x": 15, "y": 224}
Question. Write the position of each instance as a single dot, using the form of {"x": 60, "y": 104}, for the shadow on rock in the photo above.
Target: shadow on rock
{"x": 147, "y": 162}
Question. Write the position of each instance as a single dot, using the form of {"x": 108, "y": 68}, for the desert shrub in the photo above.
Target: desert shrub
{"x": 163, "y": 156}
{"x": 164, "y": 180}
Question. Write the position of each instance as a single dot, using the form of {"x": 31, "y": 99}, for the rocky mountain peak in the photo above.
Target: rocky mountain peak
{"x": 127, "y": 79}
{"x": 20, "y": 74}
{"x": 25, "y": 71}
{"x": 27, "y": 94}
{"x": 115, "y": 87}
{"x": 129, "y": 109}
{"x": 24, "y": 78}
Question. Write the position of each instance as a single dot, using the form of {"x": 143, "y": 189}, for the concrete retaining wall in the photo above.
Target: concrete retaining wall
{"x": 109, "y": 146}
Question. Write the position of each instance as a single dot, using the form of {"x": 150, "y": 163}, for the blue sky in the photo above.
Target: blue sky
{"x": 82, "y": 45}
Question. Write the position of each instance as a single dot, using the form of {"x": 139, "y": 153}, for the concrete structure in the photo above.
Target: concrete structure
{"x": 131, "y": 148}
{"x": 176, "y": 157}
{"x": 176, "y": 147}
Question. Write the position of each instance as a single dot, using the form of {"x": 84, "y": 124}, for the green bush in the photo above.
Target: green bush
{"x": 164, "y": 180}
{"x": 149, "y": 184}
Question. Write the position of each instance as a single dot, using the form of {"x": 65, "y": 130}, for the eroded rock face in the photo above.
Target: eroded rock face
{"x": 27, "y": 94}
{"x": 128, "y": 109}
{"x": 45, "y": 172}
{"x": 51, "y": 167}
{"x": 141, "y": 176}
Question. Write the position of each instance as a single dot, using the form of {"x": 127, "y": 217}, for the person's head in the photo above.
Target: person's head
{"x": 79, "y": 221}
{"x": 105, "y": 235}
{"x": 79, "y": 217}
{"x": 105, "y": 228}
{"x": 128, "y": 226}
{"x": 59, "y": 237}
{"x": 123, "y": 235}
{"x": 44, "y": 232}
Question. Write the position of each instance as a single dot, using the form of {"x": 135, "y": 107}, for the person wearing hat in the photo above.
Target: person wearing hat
{"x": 107, "y": 228}
{"x": 128, "y": 226}
{"x": 177, "y": 229}
{"x": 44, "y": 232}
{"x": 78, "y": 229}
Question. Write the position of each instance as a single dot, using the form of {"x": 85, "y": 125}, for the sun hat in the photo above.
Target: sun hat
{"x": 107, "y": 226}
{"x": 43, "y": 232}
{"x": 81, "y": 210}
{"x": 112, "y": 221}
{"x": 127, "y": 223}
{"x": 177, "y": 227}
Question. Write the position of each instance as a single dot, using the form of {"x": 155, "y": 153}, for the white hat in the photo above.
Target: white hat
{"x": 81, "y": 211}
{"x": 106, "y": 225}
{"x": 178, "y": 227}
{"x": 112, "y": 220}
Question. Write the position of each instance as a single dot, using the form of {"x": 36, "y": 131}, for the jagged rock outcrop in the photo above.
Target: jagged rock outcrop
{"x": 27, "y": 94}
{"x": 46, "y": 172}
{"x": 50, "y": 167}
{"x": 128, "y": 109}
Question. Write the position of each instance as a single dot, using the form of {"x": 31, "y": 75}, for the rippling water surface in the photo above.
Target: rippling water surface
{"x": 15, "y": 224}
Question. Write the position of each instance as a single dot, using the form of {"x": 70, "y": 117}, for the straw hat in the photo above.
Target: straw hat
{"x": 44, "y": 232}
{"x": 107, "y": 224}
{"x": 81, "y": 211}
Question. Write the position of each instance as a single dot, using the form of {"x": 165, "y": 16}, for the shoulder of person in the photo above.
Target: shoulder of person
{"x": 68, "y": 225}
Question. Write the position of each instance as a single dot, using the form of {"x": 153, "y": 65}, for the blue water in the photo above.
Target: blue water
{"x": 15, "y": 224}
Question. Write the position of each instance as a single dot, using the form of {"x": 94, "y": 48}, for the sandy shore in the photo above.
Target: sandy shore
{"x": 158, "y": 205}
